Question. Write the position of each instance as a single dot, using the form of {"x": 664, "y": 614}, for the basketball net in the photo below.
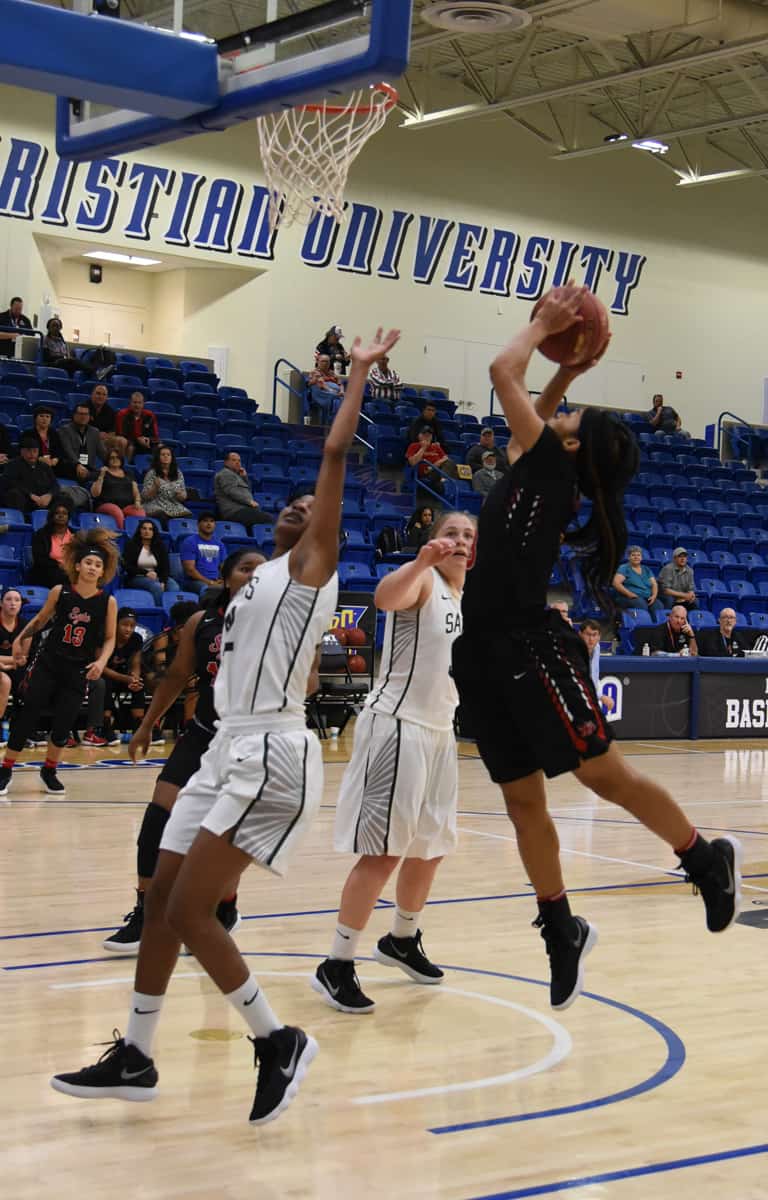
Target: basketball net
{"x": 307, "y": 152}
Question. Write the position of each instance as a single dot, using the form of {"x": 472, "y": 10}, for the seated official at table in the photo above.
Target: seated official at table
{"x": 673, "y": 637}
{"x": 725, "y": 641}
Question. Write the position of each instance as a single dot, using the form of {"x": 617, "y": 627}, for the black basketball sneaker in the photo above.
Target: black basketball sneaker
{"x": 568, "y": 943}
{"x": 122, "y": 1073}
{"x": 718, "y": 877}
{"x": 127, "y": 938}
{"x": 283, "y": 1059}
{"x": 408, "y": 954}
{"x": 336, "y": 981}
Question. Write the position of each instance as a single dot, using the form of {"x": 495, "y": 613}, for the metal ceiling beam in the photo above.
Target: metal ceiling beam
{"x": 671, "y": 135}
{"x": 468, "y": 111}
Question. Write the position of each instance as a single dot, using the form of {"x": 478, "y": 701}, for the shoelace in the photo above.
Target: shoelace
{"x": 113, "y": 1047}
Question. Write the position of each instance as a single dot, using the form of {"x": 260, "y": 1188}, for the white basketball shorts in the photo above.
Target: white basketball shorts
{"x": 261, "y": 791}
{"x": 400, "y": 791}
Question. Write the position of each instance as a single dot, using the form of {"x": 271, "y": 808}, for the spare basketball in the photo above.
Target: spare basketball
{"x": 356, "y": 637}
{"x": 357, "y": 664}
{"x": 583, "y": 340}
{"x": 340, "y": 635}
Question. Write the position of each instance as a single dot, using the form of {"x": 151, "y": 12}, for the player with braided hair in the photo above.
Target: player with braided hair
{"x": 76, "y": 648}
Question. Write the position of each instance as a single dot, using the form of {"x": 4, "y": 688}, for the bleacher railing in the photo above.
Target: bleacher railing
{"x": 721, "y": 429}
{"x": 370, "y": 443}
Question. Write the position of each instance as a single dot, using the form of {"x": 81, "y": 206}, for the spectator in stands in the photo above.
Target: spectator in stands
{"x": 48, "y": 543}
{"x": 27, "y": 483}
{"x": 164, "y": 490}
{"x": 233, "y": 495}
{"x": 487, "y": 442}
{"x": 426, "y": 454}
{"x": 56, "y": 351}
{"x": 146, "y": 562}
{"x": 116, "y": 492}
{"x": 325, "y": 388}
{"x": 13, "y": 318}
{"x": 484, "y": 479}
{"x": 589, "y": 632}
{"x": 670, "y": 638}
{"x": 104, "y": 420}
{"x": 636, "y": 585}
{"x": 47, "y": 438}
{"x": 385, "y": 382}
{"x": 6, "y": 448}
{"x": 138, "y": 426}
{"x": 10, "y": 627}
{"x": 82, "y": 452}
{"x": 561, "y": 606}
{"x": 331, "y": 347}
{"x": 676, "y": 582}
{"x": 427, "y": 420}
{"x": 723, "y": 642}
{"x": 418, "y": 530}
{"x": 662, "y": 418}
{"x": 202, "y": 556}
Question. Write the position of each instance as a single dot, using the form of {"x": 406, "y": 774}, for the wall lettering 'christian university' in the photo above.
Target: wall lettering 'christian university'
{"x": 218, "y": 215}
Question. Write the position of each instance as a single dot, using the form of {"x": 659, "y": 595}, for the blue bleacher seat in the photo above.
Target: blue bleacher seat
{"x": 758, "y": 620}
{"x": 701, "y": 619}
{"x": 134, "y": 598}
{"x": 35, "y": 596}
{"x": 98, "y": 520}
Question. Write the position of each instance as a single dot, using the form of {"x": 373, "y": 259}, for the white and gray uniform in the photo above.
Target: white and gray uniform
{"x": 260, "y": 781}
{"x": 399, "y": 792}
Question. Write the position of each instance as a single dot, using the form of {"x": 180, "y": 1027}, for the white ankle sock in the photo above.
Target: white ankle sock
{"x": 143, "y": 1021}
{"x": 405, "y": 924}
{"x": 249, "y": 1000}
{"x": 345, "y": 942}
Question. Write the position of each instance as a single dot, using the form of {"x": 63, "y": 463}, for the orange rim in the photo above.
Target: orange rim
{"x": 390, "y": 102}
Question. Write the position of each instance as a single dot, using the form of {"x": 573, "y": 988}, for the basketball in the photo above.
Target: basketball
{"x": 357, "y": 664}
{"x": 582, "y": 341}
{"x": 340, "y": 635}
{"x": 356, "y": 637}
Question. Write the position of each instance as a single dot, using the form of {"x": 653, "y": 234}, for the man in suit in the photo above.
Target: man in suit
{"x": 724, "y": 642}
{"x": 13, "y": 318}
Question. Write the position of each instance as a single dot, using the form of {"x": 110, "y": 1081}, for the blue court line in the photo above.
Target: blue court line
{"x": 324, "y": 912}
{"x": 669, "y": 1068}
{"x": 674, "y": 1045}
{"x": 674, "y": 1164}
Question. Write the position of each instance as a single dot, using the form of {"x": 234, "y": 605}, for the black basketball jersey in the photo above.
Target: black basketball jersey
{"x": 7, "y": 638}
{"x": 122, "y": 656}
{"x": 207, "y": 650}
{"x": 77, "y": 632}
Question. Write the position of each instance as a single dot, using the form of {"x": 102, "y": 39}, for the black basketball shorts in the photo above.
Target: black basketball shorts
{"x": 528, "y": 699}
{"x": 185, "y": 757}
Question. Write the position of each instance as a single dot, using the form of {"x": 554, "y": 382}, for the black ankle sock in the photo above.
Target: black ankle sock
{"x": 555, "y": 912}
{"x": 698, "y": 859}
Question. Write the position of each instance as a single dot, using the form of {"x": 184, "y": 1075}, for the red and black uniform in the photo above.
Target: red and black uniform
{"x": 185, "y": 757}
{"x": 56, "y": 680}
{"x": 120, "y": 661}
{"x": 7, "y": 638}
{"x": 522, "y": 672}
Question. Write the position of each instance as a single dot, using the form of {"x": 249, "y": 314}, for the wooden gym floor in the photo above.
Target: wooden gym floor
{"x": 651, "y": 1085}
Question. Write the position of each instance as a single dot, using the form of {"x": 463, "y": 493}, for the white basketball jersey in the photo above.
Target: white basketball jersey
{"x": 414, "y": 678}
{"x": 271, "y": 631}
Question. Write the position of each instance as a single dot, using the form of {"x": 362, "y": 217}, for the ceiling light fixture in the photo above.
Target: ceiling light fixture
{"x": 616, "y": 137}
{"x": 651, "y": 145}
{"x": 475, "y": 17}
{"x": 128, "y": 260}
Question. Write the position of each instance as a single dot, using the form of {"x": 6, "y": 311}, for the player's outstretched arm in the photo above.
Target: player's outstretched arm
{"x": 314, "y": 559}
{"x": 558, "y": 311}
{"x": 410, "y": 586}
{"x": 169, "y": 688}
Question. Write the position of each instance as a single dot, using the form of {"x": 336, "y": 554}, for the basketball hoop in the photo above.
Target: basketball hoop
{"x": 307, "y": 152}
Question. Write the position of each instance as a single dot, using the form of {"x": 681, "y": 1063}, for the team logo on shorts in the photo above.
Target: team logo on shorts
{"x": 586, "y": 729}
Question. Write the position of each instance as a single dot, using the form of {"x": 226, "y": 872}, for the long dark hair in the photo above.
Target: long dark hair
{"x": 173, "y": 466}
{"x": 157, "y": 542}
{"x": 607, "y": 459}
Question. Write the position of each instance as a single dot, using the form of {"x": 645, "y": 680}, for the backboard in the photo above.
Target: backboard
{"x": 124, "y": 86}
